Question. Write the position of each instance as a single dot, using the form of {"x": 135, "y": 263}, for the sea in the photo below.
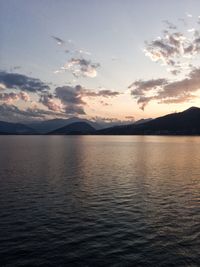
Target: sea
{"x": 99, "y": 201}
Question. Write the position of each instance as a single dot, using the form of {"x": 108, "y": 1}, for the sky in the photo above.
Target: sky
{"x": 116, "y": 60}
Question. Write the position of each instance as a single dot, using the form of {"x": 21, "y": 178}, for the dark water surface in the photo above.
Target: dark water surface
{"x": 99, "y": 201}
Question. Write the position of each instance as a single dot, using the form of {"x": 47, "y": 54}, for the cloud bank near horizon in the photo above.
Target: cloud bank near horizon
{"x": 62, "y": 101}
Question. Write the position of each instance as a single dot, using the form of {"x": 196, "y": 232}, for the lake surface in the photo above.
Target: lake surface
{"x": 99, "y": 201}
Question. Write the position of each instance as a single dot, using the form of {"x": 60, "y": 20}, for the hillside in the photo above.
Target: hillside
{"x": 186, "y": 122}
{"x": 47, "y": 126}
{"x": 74, "y": 129}
{"x": 15, "y": 128}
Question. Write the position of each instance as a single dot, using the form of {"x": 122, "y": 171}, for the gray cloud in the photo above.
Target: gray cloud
{"x": 184, "y": 86}
{"x": 51, "y": 103}
{"x": 132, "y": 118}
{"x": 101, "y": 93}
{"x": 80, "y": 67}
{"x": 180, "y": 99}
{"x": 109, "y": 122}
{"x": 165, "y": 91}
{"x": 104, "y": 103}
{"x": 70, "y": 47}
{"x": 174, "y": 48}
{"x": 14, "y": 114}
{"x": 71, "y": 98}
{"x": 58, "y": 40}
{"x": 140, "y": 86}
{"x": 70, "y": 95}
{"x": 14, "y": 68}
{"x": 22, "y": 82}
{"x": 170, "y": 25}
{"x": 74, "y": 110}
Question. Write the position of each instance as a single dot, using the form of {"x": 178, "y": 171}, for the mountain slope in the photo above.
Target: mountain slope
{"x": 74, "y": 128}
{"x": 15, "y": 128}
{"x": 186, "y": 122}
{"x": 51, "y": 125}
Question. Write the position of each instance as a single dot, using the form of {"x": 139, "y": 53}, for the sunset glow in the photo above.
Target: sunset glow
{"x": 109, "y": 60}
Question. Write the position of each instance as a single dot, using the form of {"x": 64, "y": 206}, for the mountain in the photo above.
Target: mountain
{"x": 75, "y": 129}
{"x": 44, "y": 127}
{"x": 142, "y": 121}
{"x": 47, "y": 126}
{"x": 182, "y": 123}
{"x": 15, "y": 128}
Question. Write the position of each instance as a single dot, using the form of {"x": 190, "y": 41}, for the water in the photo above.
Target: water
{"x": 99, "y": 201}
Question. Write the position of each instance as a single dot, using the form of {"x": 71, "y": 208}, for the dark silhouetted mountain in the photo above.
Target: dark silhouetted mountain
{"x": 186, "y": 122}
{"x": 142, "y": 121}
{"x": 47, "y": 126}
{"x": 44, "y": 127}
{"x": 15, "y": 128}
{"x": 75, "y": 129}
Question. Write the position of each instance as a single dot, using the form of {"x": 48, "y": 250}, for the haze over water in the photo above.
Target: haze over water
{"x": 99, "y": 201}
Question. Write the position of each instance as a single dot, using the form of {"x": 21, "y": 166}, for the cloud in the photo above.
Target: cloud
{"x": 170, "y": 25}
{"x": 187, "y": 85}
{"x": 14, "y": 68}
{"x": 2, "y": 86}
{"x": 64, "y": 100}
{"x": 104, "y": 103}
{"x": 174, "y": 49}
{"x": 58, "y": 40}
{"x": 183, "y": 20}
{"x": 24, "y": 96}
{"x": 189, "y": 15}
{"x": 165, "y": 91}
{"x": 15, "y": 114}
{"x": 22, "y": 82}
{"x": 140, "y": 86}
{"x": 132, "y": 118}
{"x": 70, "y": 47}
{"x": 109, "y": 121}
{"x": 77, "y": 65}
{"x": 51, "y": 103}
{"x": 71, "y": 98}
{"x": 9, "y": 98}
{"x": 180, "y": 99}
{"x": 70, "y": 94}
{"x": 80, "y": 67}
{"x": 101, "y": 93}
{"x": 84, "y": 52}
{"x": 74, "y": 110}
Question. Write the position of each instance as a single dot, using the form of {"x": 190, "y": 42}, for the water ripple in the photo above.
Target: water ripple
{"x": 99, "y": 201}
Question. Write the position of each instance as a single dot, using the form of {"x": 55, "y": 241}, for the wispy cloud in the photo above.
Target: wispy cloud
{"x": 170, "y": 25}
{"x": 77, "y": 64}
{"x": 101, "y": 93}
{"x": 58, "y": 40}
{"x": 70, "y": 47}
